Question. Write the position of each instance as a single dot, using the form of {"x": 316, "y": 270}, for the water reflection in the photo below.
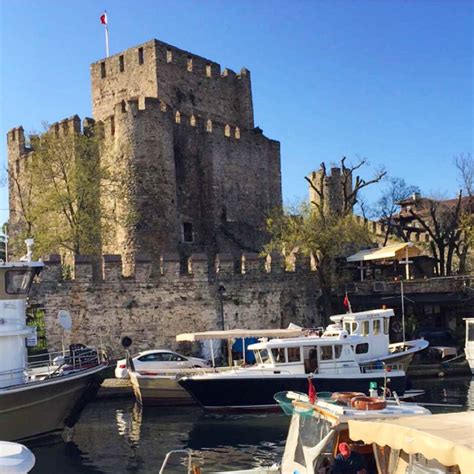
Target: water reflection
{"x": 115, "y": 436}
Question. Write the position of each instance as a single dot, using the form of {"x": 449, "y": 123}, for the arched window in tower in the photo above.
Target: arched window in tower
{"x": 209, "y": 126}
{"x": 187, "y": 233}
{"x": 237, "y": 133}
{"x": 177, "y": 117}
{"x": 190, "y": 64}
{"x": 227, "y": 131}
{"x": 208, "y": 70}
{"x": 192, "y": 121}
{"x": 169, "y": 56}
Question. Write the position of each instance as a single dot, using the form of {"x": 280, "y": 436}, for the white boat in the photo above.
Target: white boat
{"x": 286, "y": 364}
{"x": 15, "y": 458}
{"x": 46, "y": 397}
{"x": 374, "y": 326}
{"x": 316, "y": 429}
{"x": 469, "y": 348}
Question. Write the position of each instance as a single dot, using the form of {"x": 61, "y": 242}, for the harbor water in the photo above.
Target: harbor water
{"x": 115, "y": 436}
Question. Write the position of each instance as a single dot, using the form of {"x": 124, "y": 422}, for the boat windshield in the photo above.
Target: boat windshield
{"x": 18, "y": 282}
{"x": 262, "y": 356}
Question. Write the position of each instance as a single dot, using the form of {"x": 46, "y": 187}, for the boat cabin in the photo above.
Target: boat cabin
{"x": 308, "y": 355}
{"x": 372, "y": 325}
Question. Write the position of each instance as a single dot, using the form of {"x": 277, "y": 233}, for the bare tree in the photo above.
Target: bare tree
{"x": 465, "y": 165}
{"x": 389, "y": 204}
{"x": 441, "y": 219}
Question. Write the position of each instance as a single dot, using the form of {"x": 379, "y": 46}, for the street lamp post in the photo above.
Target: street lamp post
{"x": 221, "y": 292}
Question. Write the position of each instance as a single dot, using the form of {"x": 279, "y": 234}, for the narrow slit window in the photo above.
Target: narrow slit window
{"x": 190, "y": 64}
{"x": 237, "y": 133}
{"x": 121, "y": 63}
{"x": 124, "y": 106}
{"x": 13, "y": 135}
{"x": 140, "y": 56}
{"x": 102, "y": 70}
{"x": 227, "y": 131}
{"x": 209, "y": 126}
{"x": 169, "y": 56}
{"x": 177, "y": 117}
{"x": 188, "y": 234}
{"x": 208, "y": 70}
{"x": 17, "y": 166}
{"x": 112, "y": 126}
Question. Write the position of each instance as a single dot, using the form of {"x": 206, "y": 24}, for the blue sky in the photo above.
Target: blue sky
{"x": 390, "y": 81}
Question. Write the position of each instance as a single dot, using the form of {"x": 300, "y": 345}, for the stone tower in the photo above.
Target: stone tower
{"x": 201, "y": 177}
{"x": 335, "y": 188}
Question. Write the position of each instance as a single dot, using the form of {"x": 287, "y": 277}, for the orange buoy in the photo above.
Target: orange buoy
{"x": 346, "y": 397}
{"x": 368, "y": 403}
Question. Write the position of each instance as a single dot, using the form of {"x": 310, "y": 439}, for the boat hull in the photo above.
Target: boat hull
{"x": 37, "y": 408}
{"x": 159, "y": 391}
{"x": 256, "y": 393}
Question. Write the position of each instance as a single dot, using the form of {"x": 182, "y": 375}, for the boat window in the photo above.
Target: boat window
{"x": 18, "y": 282}
{"x": 354, "y": 327}
{"x": 265, "y": 356}
{"x": 337, "y": 351}
{"x": 362, "y": 348}
{"x": 279, "y": 355}
{"x": 326, "y": 352}
{"x": 294, "y": 354}
{"x": 470, "y": 332}
{"x": 258, "y": 357}
{"x": 347, "y": 327}
{"x": 376, "y": 327}
{"x": 365, "y": 328}
{"x": 386, "y": 325}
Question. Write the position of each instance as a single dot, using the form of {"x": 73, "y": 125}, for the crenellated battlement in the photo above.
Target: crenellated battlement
{"x": 137, "y": 109}
{"x": 170, "y": 268}
{"x": 186, "y": 81}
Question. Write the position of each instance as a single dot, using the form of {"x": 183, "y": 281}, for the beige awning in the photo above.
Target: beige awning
{"x": 392, "y": 252}
{"x": 240, "y": 333}
{"x": 448, "y": 438}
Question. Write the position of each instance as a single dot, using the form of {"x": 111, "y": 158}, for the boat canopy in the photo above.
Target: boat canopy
{"x": 310, "y": 341}
{"x": 240, "y": 333}
{"x": 448, "y": 438}
{"x": 389, "y": 252}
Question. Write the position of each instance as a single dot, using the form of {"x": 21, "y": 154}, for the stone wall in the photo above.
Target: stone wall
{"x": 155, "y": 304}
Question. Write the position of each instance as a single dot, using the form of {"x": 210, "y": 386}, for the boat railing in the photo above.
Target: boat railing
{"x": 184, "y": 372}
{"x": 187, "y": 452}
{"x": 78, "y": 357}
{"x": 10, "y": 375}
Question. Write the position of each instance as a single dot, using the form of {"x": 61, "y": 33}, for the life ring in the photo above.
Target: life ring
{"x": 346, "y": 397}
{"x": 396, "y": 327}
{"x": 368, "y": 403}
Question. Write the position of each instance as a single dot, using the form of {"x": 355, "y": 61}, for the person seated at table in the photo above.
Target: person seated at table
{"x": 348, "y": 461}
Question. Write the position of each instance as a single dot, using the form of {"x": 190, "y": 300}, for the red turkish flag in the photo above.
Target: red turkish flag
{"x": 311, "y": 392}
{"x": 103, "y": 18}
{"x": 346, "y": 302}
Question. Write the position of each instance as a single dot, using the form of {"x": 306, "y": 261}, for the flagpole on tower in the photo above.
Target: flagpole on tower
{"x": 107, "y": 41}
{"x": 103, "y": 20}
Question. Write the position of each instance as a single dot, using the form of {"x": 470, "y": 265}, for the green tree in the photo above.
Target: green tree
{"x": 59, "y": 195}
{"x": 317, "y": 230}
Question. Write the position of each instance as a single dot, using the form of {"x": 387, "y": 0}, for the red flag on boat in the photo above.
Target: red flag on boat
{"x": 347, "y": 304}
{"x": 103, "y": 18}
{"x": 311, "y": 391}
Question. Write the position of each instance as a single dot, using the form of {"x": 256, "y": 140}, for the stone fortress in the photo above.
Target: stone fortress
{"x": 201, "y": 179}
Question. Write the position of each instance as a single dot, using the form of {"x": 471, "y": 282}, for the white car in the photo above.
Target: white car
{"x": 147, "y": 362}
